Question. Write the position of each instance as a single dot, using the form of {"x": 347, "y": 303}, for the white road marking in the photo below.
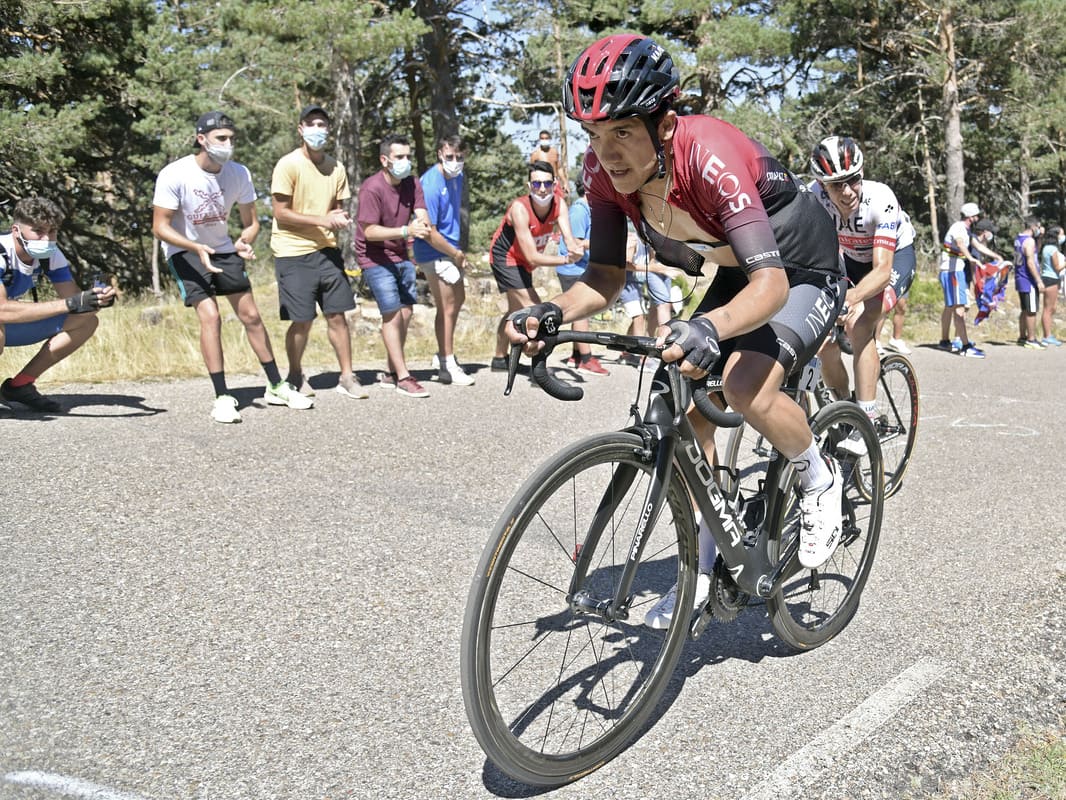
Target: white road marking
{"x": 1012, "y": 430}
{"x": 803, "y": 767}
{"x": 72, "y": 787}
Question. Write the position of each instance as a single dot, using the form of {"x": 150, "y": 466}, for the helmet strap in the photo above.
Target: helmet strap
{"x": 660, "y": 156}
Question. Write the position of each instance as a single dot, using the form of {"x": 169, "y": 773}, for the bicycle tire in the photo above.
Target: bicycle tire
{"x": 550, "y": 694}
{"x": 810, "y": 607}
{"x": 896, "y": 422}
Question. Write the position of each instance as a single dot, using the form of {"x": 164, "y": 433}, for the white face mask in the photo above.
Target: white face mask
{"x": 452, "y": 168}
{"x": 400, "y": 167}
{"x": 541, "y": 202}
{"x": 314, "y": 138}
{"x": 1062, "y": 238}
{"x": 219, "y": 153}
{"x": 545, "y": 145}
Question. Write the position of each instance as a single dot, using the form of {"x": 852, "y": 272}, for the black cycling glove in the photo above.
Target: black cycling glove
{"x": 548, "y": 315}
{"x": 698, "y": 338}
{"x": 83, "y": 302}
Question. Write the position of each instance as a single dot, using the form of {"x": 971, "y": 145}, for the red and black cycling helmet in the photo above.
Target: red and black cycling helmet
{"x": 836, "y": 158}
{"x": 623, "y": 75}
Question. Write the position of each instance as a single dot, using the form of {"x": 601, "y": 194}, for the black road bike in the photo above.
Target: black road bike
{"x": 558, "y": 671}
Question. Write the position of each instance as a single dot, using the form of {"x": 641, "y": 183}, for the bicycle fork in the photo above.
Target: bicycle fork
{"x": 617, "y": 608}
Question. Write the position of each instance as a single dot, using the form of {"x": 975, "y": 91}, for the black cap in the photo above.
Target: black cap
{"x": 311, "y": 109}
{"x": 986, "y": 225}
{"x": 213, "y": 120}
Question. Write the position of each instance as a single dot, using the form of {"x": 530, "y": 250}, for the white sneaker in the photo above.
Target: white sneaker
{"x": 821, "y": 516}
{"x": 854, "y": 445}
{"x": 225, "y": 409}
{"x": 452, "y": 372}
{"x": 285, "y": 395}
{"x": 659, "y": 616}
{"x": 899, "y": 346}
{"x": 349, "y": 386}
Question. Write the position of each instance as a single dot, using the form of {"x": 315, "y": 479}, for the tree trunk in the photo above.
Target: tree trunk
{"x": 953, "y": 157}
{"x": 927, "y": 170}
{"x": 436, "y": 51}
{"x": 1024, "y": 177}
{"x": 345, "y": 118}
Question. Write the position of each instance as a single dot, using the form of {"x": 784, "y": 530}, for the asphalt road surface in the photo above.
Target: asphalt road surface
{"x": 274, "y": 609}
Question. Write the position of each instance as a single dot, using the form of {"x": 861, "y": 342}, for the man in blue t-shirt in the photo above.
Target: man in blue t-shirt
{"x": 581, "y": 358}
{"x": 64, "y": 324}
{"x": 440, "y": 256}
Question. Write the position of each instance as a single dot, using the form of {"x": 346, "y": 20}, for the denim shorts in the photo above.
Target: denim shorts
{"x": 393, "y": 285}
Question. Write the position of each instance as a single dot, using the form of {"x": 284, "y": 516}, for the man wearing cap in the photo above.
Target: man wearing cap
{"x": 308, "y": 188}
{"x": 193, "y": 199}
{"x": 954, "y": 256}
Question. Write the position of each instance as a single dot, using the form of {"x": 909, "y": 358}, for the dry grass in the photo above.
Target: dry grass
{"x": 1035, "y": 769}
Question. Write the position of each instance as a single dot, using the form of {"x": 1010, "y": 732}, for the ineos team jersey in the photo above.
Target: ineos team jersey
{"x": 735, "y": 191}
{"x": 877, "y": 222}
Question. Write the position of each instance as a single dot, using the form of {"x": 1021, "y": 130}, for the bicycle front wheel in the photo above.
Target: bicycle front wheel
{"x": 896, "y": 422}
{"x": 553, "y": 692}
{"x": 811, "y": 606}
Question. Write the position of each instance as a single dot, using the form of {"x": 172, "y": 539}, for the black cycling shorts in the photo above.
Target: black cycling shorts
{"x": 794, "y": 334}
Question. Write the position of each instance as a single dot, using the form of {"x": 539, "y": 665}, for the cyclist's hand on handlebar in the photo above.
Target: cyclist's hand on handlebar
{"x": 534, "y": 322}
{"x": 694, "y": 340}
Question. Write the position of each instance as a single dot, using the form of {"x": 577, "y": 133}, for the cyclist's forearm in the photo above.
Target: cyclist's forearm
{"x": 596, "y": 290}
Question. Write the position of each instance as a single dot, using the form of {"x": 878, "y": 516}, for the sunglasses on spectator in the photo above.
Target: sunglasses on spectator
{"x": 541, "y": 184}
{"x": 453, "y": 157}
{"x": 855, "y": 181}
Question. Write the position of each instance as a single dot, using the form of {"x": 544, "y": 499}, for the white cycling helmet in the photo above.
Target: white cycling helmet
{"x": 836, "y": 158}
{"x": 969, "y": 210}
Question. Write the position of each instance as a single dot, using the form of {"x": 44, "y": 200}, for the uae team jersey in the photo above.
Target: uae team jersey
{"x": 877, "y": 222}
{"x": 736, "y": 192}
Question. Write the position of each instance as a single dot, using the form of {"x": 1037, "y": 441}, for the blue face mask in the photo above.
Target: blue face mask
{"x": 400, "y": 168}
{"x": 38, "y": 248}
{"x": 315, "y": 138}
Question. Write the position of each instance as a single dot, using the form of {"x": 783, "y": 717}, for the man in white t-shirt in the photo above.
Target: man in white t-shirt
{"x": 193, "y": 199}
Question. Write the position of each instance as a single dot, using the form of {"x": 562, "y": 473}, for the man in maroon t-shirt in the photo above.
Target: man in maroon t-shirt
{"x": 392, "y": 208}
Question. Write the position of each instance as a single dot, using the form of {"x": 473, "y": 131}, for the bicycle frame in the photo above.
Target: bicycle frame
{"x": 666, "y": 431}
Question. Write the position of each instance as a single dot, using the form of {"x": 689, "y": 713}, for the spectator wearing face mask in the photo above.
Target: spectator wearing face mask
{"x": 308, "y": 189}
{"x": 391, "y": 209}
{"x": 64, "y": 324}
{"x": 1029, "y": 282}
{"x": 193, "y": 200}
{"x": 439, "y": 254}
{"x": 545, "y": 151}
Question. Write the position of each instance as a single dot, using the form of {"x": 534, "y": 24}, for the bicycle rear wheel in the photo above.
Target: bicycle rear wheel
{"x": 896, "y": 422}
{"x": 552, "y": 693}
{"x": 810, "y": 607}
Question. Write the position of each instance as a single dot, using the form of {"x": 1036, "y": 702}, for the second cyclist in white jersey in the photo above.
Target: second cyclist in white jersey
{"x": 877, "y": 243}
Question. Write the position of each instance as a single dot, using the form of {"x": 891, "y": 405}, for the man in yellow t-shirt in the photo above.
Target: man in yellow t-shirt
{"x": 308, "y": 187}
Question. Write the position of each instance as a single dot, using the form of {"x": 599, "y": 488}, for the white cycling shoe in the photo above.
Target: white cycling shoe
{"x": 660, "y": 615}
{"x": 821, "y": 518}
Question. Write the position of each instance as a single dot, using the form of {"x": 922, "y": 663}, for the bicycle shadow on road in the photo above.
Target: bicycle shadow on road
{"x": 96, "y": 406}
{"x": 749, "y": 637}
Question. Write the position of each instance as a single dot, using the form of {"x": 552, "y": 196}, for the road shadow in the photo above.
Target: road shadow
{"x": 83, "y": 405}
{"x": 748, "y": 638}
